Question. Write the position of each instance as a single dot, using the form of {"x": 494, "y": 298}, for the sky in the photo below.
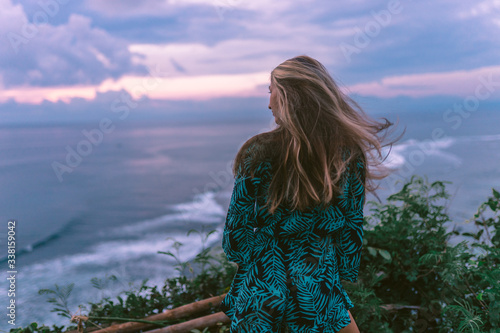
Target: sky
{"x": 64, "y": 60}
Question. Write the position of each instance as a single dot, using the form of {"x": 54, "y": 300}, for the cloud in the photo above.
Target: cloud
{"x": 157, "y": 86}
{"x": 131, "y": 8}
{"x": 485, "y": 8}
{"x": 36, "y": 53}
{"x": 37, "y": 95}
{"x": 230, "y": 109}
{"x": 120, "y": 107}
{"x": 235, "y": 56}
{"x": 488, "y": 11}
{"x": 486, "y": 80}
{"x": 196, "y": 88}
{"x": 109, "y": 45}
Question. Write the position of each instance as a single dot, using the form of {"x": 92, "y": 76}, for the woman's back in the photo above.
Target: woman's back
{"x": 291, "y": 262}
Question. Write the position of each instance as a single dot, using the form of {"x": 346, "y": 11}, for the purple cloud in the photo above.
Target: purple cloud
{"x": 37, "y": 53}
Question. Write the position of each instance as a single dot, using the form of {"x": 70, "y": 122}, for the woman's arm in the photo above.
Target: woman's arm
{"x": 241, "y": 220}
{"x": 352, "y": 327}
{"x": 237, "y": 240}
{"x": 351, "y": 239}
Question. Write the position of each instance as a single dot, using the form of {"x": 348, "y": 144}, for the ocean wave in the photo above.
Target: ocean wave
{"x": 111, "y": 253}
{"x": 203, "y": 208}
{"x": 480, "y": 138}
{"x": 130, "y": 257}
{"x": 130, "y": 261}
{"x": 401, "y": 152}
{"x": 44, "y": 241}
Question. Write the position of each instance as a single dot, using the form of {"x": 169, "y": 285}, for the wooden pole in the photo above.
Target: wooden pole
{"x": 180, "y": 312}
{"x": 198, "y": 323}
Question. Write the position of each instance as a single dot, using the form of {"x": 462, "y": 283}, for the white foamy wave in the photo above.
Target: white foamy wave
{"x": 395, "y": 159}
{"x": 403, "y": 152}
{"x": 204, "y": 208}
{"x": 481, "y": 138}
{"x": 112, "y": 253}
{"x": 126, "y": 259}
{"x": 105, "y": 253}
{"x": 400, "y": 152}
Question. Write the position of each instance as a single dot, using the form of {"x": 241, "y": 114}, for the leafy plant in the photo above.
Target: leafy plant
{"x": 411, "y": 278}
{"x": 60, "y": 299}
{"x": 34, "y": 328}
{"x": 420, "y": 282}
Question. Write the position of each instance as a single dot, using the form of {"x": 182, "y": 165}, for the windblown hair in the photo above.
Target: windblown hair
{"x": 320, "y": 132}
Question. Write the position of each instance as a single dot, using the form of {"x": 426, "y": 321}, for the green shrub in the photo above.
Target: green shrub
{"x": 411, "y": 278}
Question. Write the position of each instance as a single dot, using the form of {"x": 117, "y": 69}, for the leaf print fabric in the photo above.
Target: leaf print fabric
{"x": 291, "y": 262}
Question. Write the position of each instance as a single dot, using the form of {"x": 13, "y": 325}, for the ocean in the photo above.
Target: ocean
{"x": 92, "y": 201}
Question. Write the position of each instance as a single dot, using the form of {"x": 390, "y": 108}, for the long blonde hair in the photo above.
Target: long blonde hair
{"x": 317, "y": 125}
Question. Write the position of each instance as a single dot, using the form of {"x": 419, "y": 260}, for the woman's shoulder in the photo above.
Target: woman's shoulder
{"x": 256, "y": 156}
{"x": 261, "y": 148}
{"x": 355, "y": 158}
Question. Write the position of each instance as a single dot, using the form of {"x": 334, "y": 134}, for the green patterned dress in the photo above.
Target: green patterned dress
{"x": 291, "y": 262}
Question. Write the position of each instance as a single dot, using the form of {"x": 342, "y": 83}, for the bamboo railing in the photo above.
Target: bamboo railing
{"x": 147, "y": 324}
{"x": 177, "y": 313}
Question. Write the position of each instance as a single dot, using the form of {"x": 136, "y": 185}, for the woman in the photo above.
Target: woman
{"x": 294, "y": 224}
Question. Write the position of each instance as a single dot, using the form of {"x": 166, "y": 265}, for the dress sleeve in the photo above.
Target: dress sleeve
{"x": 238, "y": 236}
{"x": 351, "y": 239}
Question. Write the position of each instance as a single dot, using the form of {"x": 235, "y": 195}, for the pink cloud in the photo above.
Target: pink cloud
{"x": 483, "y": 81}
{"x": 456, "y": 83}
{"x": 154, "y": 87}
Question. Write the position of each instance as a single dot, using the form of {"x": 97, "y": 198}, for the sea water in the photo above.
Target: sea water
{"x": 143, "y": 186}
